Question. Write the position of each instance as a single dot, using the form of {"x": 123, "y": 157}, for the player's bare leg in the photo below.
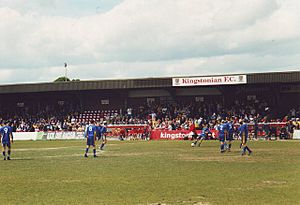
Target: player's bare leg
{"x": 200, "y": 142}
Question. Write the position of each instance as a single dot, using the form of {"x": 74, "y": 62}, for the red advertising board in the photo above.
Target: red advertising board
{"x": 175, "y": 134}
{"x": 181, "y": 134}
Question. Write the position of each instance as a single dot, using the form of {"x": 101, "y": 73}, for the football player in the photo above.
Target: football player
{"x": 229, "y": 137}
{"x": 243, "y": 132}
{"x": 6, "y": 139}
{"x": 222, "y": 128}
{"x": 206, "y": 134}
{"x": 91, "y": 135}
{"x": 103, "y": 131}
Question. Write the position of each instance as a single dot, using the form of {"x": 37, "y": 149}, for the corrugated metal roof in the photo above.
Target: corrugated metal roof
{"x": 274, "y": 77}
{"x": 280, "y": 77}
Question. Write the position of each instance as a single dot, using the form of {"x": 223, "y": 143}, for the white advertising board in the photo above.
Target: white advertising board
{"x": 210, "y": 80}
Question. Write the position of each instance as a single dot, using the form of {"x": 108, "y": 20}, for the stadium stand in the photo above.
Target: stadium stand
{"x": 155, "y": 102}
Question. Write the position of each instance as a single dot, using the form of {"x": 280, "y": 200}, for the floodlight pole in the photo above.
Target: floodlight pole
{"x": 66, "y": 71}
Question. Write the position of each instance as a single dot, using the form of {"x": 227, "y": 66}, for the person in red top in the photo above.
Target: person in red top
{"x": 192, "y": 130}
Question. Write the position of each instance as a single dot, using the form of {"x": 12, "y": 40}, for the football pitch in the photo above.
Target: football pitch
{"x": 151, "y": 172}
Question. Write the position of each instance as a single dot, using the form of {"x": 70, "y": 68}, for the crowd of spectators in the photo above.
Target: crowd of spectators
{"x": 171, "y": 116}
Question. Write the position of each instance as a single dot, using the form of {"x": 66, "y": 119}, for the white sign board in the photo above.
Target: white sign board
{"x": 25, "y": 135}
{"x": 214, "y": 80}
{"x": 296, "y": 135}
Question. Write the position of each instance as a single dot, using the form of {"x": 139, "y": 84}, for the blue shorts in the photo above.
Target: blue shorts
{"x": 90, "y": 142}
{"x": 229, "y": 137}
{"x": 6, "y": 143}
{"x": 222, "y": 138}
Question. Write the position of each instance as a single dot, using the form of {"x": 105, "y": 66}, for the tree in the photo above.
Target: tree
{"x": 65, "y": 79}
{"x": 62, "y": 79}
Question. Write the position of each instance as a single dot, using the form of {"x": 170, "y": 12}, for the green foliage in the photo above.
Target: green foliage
{"x": 154, "y": 172}
{"x": 62, "y": 79}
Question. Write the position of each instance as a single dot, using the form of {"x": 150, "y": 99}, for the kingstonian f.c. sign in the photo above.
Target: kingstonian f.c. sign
{"x": 210, "y": 80}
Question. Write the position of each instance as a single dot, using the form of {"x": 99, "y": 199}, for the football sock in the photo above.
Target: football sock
{"x": 244, "y": 150}
{"x": 229, "y": 146}
{"x": 222, "y": 147}
{"x": 94, "y": 151}
{"x": 8, "y": 152}
{"x": 249, "y": 150}
{"x": 3, "y": 153}
{"x": 102, "y": 145}
{"x": 86, "y": 150}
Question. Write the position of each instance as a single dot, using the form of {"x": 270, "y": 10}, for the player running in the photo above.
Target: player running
{"x": 6, "y": 139}
{"x": 243, "y": 132}
{"x": 206, "y": 134}
{"x": 192, "y": 130}
{"x": 91, "y": 134}
{"x": 102, "y": 135}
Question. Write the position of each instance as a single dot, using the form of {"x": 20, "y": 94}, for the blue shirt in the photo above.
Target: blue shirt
{"x": 230, "y": 127}
{"x": 205, "y": 131}
{"x": 103, "y": 130}
{"x": 5, "y": 133}
{"x": 222, "y": 128}
{"x": 99, "y": 131}
{"x": 91, "y": 131}
{"x": 243, "y": 130}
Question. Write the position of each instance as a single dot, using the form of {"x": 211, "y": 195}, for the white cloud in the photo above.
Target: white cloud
{"x": 150, "y": 38}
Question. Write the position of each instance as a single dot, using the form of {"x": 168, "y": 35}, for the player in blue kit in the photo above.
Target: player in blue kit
{"x": 101, "y": 135}
{"x": 243, "y": 132}
{"x": 229, "y": 137}
{"x": 91, "y": 134}
{"x": 99, "y": 131}
{"x": 6, "y": 139}
{"x": 222, "y": 128}
{"x": 205, "y": 134}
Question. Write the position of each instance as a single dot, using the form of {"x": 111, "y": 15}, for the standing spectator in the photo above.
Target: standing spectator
{"x": 291, "y": 128}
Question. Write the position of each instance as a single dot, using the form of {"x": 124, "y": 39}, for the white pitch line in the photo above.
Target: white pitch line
{"x": 46, "y": 148}
{"x": 57, "y": 156}
{"x": 47, "y": 156}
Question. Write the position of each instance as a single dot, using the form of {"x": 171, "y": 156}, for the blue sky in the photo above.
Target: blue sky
{"x": 108, "y": 39}
{"x": 70, "y": 8}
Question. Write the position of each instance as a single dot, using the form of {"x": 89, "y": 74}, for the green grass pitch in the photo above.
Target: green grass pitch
{"x": 151, "y": 172}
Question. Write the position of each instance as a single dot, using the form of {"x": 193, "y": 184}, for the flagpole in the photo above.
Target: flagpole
{"x": 66, "y": 71}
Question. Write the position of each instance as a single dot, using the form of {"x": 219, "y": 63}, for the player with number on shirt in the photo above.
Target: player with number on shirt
{"x": 6, "y": 139}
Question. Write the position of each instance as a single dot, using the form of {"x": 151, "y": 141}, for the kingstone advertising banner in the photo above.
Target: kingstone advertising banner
{"x": 176, "y": 134}
{"x": 212, "y": 80}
